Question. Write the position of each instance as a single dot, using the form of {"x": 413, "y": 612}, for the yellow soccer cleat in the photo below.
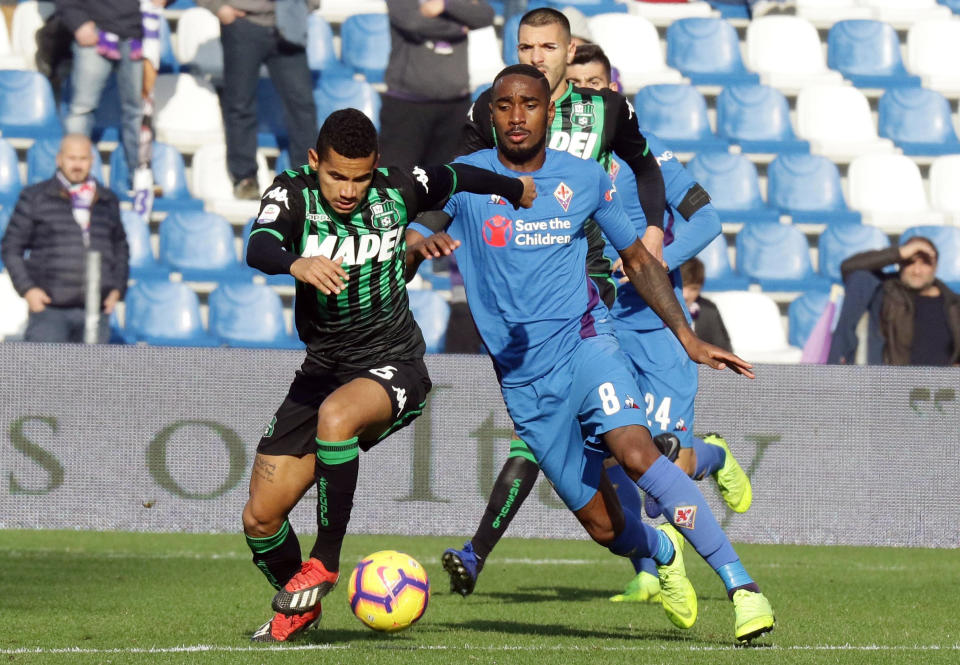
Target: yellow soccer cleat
{"x": 677, "y": 596}
{"x": 644, "y": 588}
{"x": 734, "y": 483}
{"x": 754, "y": 615}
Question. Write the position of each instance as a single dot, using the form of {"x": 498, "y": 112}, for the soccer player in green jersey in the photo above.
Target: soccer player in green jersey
{"x": 338, "y": 226}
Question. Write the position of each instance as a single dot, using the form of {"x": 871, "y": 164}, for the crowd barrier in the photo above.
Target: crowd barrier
{"x": 162, "y": 439}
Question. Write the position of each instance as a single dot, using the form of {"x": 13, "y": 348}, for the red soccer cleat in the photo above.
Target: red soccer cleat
{"x": 282, "y": 628}
{"x": 305, "y": 589}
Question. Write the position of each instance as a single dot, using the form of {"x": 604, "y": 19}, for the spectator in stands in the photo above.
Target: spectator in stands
{"x": 8, "y": 6}
{"x": 253, "y": 33}
{"x": 56, "y": 222}
{"x": 707, "y": 322}
{"x": 760, "y": 8}
{"x": 107, "y": 39}
{"x": 914, "y": 317}
{"x": 428, "y": 83}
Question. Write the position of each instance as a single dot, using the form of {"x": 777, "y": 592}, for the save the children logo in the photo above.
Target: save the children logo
{"x": 497, "y": 231}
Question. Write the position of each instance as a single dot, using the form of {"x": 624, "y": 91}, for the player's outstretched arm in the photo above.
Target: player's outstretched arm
{"x": 433, "y": 185}
{"x": 651, "y": 282}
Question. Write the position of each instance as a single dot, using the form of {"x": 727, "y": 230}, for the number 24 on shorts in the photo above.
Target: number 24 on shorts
{"x": 611, "y": 404}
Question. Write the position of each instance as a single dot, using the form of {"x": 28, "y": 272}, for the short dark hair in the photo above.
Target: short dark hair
{"x": 936, "y": 253}
{"x": 523, "y": 70}
{"x": 350, "y": 133}
{"x": 537, "y": 18}
{"x": 587, "y": 53}
{"x": 692, "y": 272}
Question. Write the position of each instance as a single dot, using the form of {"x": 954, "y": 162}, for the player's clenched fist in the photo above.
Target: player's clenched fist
{"x": 321, "y": 273}
{"x": 529, "y": 191}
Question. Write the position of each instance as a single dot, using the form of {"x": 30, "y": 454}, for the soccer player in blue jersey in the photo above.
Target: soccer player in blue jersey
{"x": 560, "y": 368}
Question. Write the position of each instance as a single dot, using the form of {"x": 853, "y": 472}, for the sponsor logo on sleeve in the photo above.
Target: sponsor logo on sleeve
{"x": 422, "y": 178}
{"x": 269, "y": 214}
{"x": 278, "y": 194}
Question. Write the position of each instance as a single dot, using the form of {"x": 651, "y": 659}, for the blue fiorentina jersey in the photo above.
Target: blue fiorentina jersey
{"x": 524, "y": 270}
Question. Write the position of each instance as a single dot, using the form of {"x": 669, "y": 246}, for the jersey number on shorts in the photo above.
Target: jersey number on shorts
{"x": 662, "y": 416}
{"x": 608, "y": 398}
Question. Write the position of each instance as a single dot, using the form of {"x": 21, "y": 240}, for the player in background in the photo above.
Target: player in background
{"x": 561, "y": 372}
{"x": 337, "y": 225}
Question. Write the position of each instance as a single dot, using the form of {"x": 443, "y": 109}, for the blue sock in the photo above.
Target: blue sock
{"x": 710, "y": 458}
{"x": 684, "y": 505}
{"x": 627, "y": 490}
{"x": 637, "y": 539}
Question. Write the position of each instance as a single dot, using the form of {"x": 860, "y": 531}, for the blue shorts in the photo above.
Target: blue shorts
{"x": 667, "y": 379}
{"x": 585, "y": 395}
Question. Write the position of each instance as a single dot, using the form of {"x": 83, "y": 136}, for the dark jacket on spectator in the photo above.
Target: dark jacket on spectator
{"x": 708, "y": 325}
{"x": 417, "y": 72}
{"x": 121, "y": 17}
{"x": 43, "y": 223}
{"x": 897, "y": 307}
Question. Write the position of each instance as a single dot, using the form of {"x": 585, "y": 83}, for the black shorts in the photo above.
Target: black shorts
{"x": 293, "y": 429}
{"x": 607, "y": 286}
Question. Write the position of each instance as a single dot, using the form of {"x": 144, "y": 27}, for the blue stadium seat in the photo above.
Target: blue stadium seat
{"x": 731, "y": 8}
{"x": 9, "y": 175}
{"x": 804, "y": 313}
{"x": 777, "y": 257}
{"x": 841, "y": 241}
{"x": 333, "y": 94}
{"x": 42, "y": 161}
{"x": 808, "y": 188}
{"x": 734, "y": 188}
{"x": 278, "y": 280}
{"x": 249, "y": 315}
{"x": 707, "y": 51}
{"x": 757, "y": 118}
{"x": 321, "y": 56}
{"x": 169, "y": 174}
{"x": 947, "y": 240}
{"x": 143, "y": 264}
{"x": 918, "y": 120}
{"x": 283, "y": 162}
{"x": 168, "y": 61}
{"x": 677, "y": 113}
{"x": 720, "y": 276}
{"x": 5, "y": 212}
{"x": 510, "y": 29}
{"x": 365, "y": 45}
{"x": 586, "y": 7}
{"x": 432, "y": 313}
{"x": 200, "y": 246}
{"x": 163, "y": 313}
{"x": 867, "y": 53}
{"x": 954, "y": 5}
{"x": 181, "y": 4}
{"x": 27, "y": 107}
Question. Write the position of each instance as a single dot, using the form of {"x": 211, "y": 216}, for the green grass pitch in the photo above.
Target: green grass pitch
{"x": 81, "y": 597}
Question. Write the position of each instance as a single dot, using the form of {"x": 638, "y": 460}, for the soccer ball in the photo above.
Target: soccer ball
{"x": 388, "y": 591}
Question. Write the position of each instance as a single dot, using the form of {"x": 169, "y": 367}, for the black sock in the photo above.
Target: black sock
{"x": 338, "y": 464}
{"x": 277, "y": 556}
{"x": 514, "y": 483}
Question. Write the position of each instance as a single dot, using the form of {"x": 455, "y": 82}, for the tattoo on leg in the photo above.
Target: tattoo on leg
{"x": 263, "y": 469}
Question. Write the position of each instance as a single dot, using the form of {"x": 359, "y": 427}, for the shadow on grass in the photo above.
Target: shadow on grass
{"x": 560, "y": 630}
{"x": 546, "y": 594}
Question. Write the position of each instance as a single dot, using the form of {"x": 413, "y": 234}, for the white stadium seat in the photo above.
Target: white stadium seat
{"x": 945, "y": 186}
{"x": 836, "y": 120}
{"x": 786, "y": 52}
{"x": 904, "y": 13}
{"x": 888, "y": 192}
{"x": 824, "y": 13}
{"x": 633, "y": 46}
{"x": 198, "y": 42}
{"x": 8, "y": 59}
{"x": 663, "y": 14}
{"x": 13, "y": 310}
{"x": 187, "y": 112}
{"x": 210, "y": 181}
{"x": 933, "y": 52}
{"x": 483, "y": 56}
{"x": 755, "y": 326}
{"x": 28, "y": 17}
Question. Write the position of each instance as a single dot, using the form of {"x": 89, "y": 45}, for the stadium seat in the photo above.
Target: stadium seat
{"x": 333, "y": 94}
{"x": 586, "y": 7}
{"x": 824, "y": 13}
{"x": 181, "y": 5}
{"x": 143, "y": 264}
{"x": 28, "y": 17}
{"x": 707, "y": 51}
{"x": 27, "y": 108}
{"x": 276, "y": 280}
{"x": 933, "y": 51}
{"x": 677, "y": 113}
{"x": 888, "y": 191}
{"x": 5, "y": 211}
{"x": 168, "y": 61}
{"x": 719, "y": 276}
{"x": 666, "y": 13}
{"x": 483, "y": 56}
{"x": 756, "y": 331}
{"x": 432, "y": 313}
{"x": 841, "y": 241}
{"x": 200, "y": 246}
{"x": 169, "y": 174}
{"x": 321, "y": 55}
{"x": 777, "y": 256}
{"x": 733, "y": 186}
{"x": 804, "y": 313}
{"x": 164, "y": 313}
{"x": 249, "y": 315}
{"x": 953, "y": 5}
{"x": 786, "y": 52}
{"x": 633, "y": 46}
{"x": 836, "y": 120}
{"x": 867, "y": 53}
{"x": 9, "y": 175}
{"x": 947, "y": 240}
{"x": 42, "y": 161}
{"x": 918, "y": 121}
{"x": 210, "y": 181}
{"x": 757, "y": 118}
{"x": 187, "y": 112}
{"x": 731, "y": 9}
{"x": 198, "y": 46}
{"x": 365, "y": 45}
{"x": 808, "y": 188}
{"x": 944, "y": 193}
{"x": 510, "y": 29}
{"x": 14, "y": 308}
{"x": 903, "y": 13}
